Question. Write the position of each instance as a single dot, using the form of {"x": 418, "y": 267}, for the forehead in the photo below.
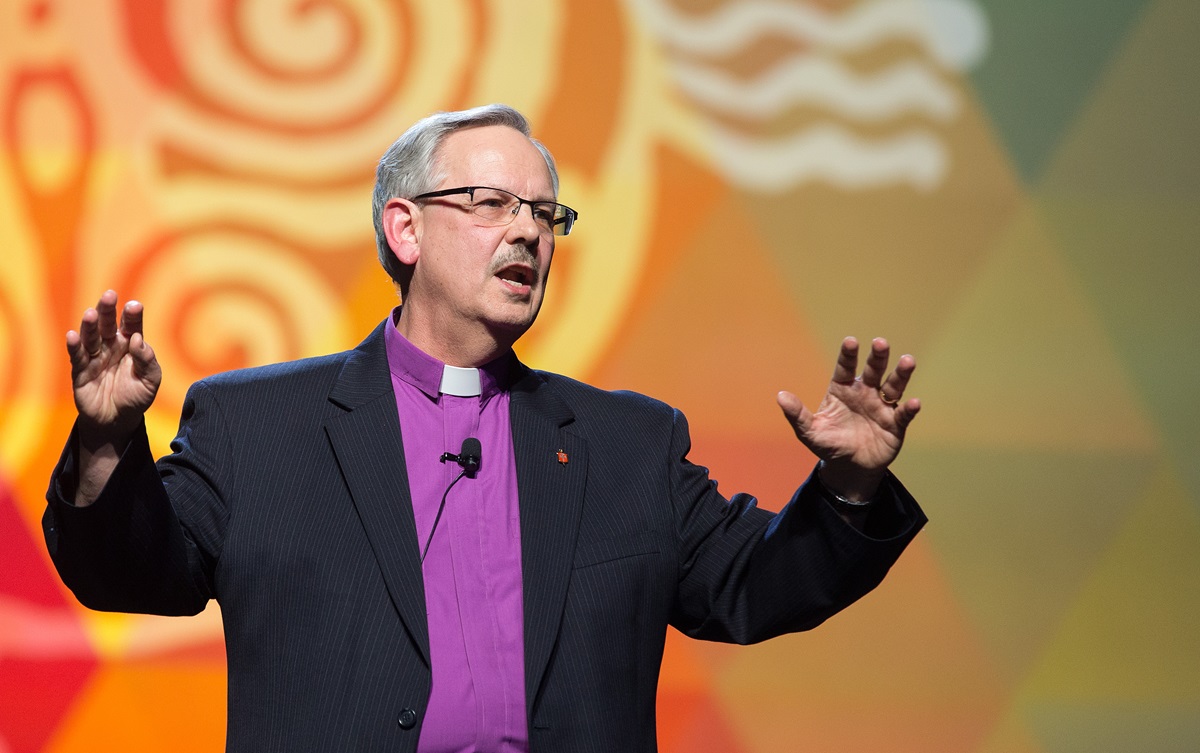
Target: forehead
{"x": 496, "y": 156}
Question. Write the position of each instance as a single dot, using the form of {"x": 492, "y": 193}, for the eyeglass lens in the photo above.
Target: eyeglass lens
{"x": 496, "y": 205}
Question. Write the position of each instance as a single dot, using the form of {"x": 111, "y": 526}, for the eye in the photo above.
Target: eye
{"x": 543, "y": 213}
{"x": 492, "y": 202}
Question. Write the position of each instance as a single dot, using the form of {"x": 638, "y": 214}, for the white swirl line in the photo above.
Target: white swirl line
{"x": 905, "y": 87}
{"x": 832, "y": 154}
{"x": 954, "y": 31}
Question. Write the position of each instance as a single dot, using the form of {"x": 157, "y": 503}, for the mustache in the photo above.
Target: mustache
{"x": 514, "y": 255}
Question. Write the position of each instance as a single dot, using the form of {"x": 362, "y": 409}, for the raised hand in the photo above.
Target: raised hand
{"x": 113, "y": 368}
{"x": 115, "y": 377}
{"x": 859, "y": 427}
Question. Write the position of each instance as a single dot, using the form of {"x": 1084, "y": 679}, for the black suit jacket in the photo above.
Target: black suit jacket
{"x": 286, "y": 499}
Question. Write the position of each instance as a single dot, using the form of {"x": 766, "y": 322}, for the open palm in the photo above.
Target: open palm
{"x": 858, "y": 429}
{"x": 113, "y": 369}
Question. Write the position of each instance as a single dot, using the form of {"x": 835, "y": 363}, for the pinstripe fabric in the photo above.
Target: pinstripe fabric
{"x": 288, "y": 502}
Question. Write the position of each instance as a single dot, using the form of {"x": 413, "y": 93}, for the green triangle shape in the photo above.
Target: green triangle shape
{"x": 1138, "y": 260}
{"x": 1138, "y": 134}
{"x": 1044, "y": 59}
{"x": 1025, "y": 360}
{"x": 1013, "y": 434}
{"x": 1132, "y": 635}
{"x": 1019, "y": 531}
{"x": 1132, "y": 728}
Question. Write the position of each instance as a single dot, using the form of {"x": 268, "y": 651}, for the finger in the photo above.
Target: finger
{"x": 76, "y": 351}
{"x": 893, "y": 387}
{"x": 906, "y": 412}
{"x": 106, "y": 307}
{"x": 847, "y": 362}
{"x": 798, "y": 416}
{"x": 89, "y": 333}
{"x": 877, "y": 361}
{"x": 131, "y": 318}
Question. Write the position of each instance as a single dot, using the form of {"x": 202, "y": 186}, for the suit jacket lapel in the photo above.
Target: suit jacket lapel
{"x": 367, "y": 442}
{"x": 551, "y": 500}
{"x": 366, "y": 439}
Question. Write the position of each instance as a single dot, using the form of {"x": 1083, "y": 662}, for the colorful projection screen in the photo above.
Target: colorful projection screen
{"x": 1009, "y": 190}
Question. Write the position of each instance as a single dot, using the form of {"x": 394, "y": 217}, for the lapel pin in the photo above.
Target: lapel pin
{"x": 562, "y": 457}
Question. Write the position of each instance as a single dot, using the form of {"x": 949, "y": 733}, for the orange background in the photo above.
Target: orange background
{"x": 1007, "y": 189}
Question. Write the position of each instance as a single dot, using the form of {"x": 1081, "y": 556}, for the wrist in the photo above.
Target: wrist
{"x": 850, "y": 486}
{"x": 99, "y": 450}
{"x": 99, "y": 438}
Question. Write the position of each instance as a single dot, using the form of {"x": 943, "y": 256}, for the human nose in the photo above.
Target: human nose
{"x": 524, "y": 229}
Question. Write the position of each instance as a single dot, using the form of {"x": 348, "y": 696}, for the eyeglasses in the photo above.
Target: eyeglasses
{"x": 501, "y": 207}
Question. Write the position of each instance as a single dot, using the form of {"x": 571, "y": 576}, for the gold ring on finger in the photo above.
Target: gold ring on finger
{"x": 892, "y": 401}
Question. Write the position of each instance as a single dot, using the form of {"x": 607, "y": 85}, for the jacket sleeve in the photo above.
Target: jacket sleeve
{"x": 747, "y": 575}
{"x": 150, "y": 542}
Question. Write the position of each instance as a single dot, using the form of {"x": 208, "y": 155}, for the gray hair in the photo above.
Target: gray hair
{"x": 410, "y": 167}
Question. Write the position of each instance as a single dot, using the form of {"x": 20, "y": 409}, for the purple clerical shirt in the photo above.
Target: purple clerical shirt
{"x": 473, "y": 567}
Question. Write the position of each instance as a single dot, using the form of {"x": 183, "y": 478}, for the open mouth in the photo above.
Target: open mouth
{"x": 516, "y": 275}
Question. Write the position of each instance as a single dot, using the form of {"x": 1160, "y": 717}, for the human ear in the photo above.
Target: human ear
{"x": 402, "y": 226}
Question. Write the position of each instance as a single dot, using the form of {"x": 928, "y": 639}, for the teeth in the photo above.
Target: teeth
{"x": 513, "y": 277}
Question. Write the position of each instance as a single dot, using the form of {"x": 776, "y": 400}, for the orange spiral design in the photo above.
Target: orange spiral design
{"x": 336, "y": 63}
{"x": 228, "y": 296}
{"x": 312, "y": 46}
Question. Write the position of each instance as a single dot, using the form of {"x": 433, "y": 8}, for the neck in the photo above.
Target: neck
{"x": 458, "y": 345}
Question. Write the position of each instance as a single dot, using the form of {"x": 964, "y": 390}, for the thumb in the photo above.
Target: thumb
{"x": 797, "y": 415}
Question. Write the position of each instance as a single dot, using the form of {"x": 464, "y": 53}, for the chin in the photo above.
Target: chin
{"x": 517, "y": 312}
{"x": 511, "y": 325}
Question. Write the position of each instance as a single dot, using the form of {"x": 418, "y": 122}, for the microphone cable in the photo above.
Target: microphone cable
{"x": 441, "y": 506}
{"x": 469, "y": 458}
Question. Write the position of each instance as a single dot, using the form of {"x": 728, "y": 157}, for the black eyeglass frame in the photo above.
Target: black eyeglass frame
{"x": 566, "y": 221}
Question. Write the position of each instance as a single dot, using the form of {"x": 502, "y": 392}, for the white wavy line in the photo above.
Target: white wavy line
{"x": 905, "y": 87}
{"x": 831, "y": 154}
{"x": 954, "y": 31}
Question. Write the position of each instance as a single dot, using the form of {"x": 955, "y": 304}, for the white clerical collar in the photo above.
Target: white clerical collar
{"x": 460, "y": 382}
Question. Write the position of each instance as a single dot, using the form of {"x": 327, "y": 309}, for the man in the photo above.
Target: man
{"x": 378, "y": 597}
